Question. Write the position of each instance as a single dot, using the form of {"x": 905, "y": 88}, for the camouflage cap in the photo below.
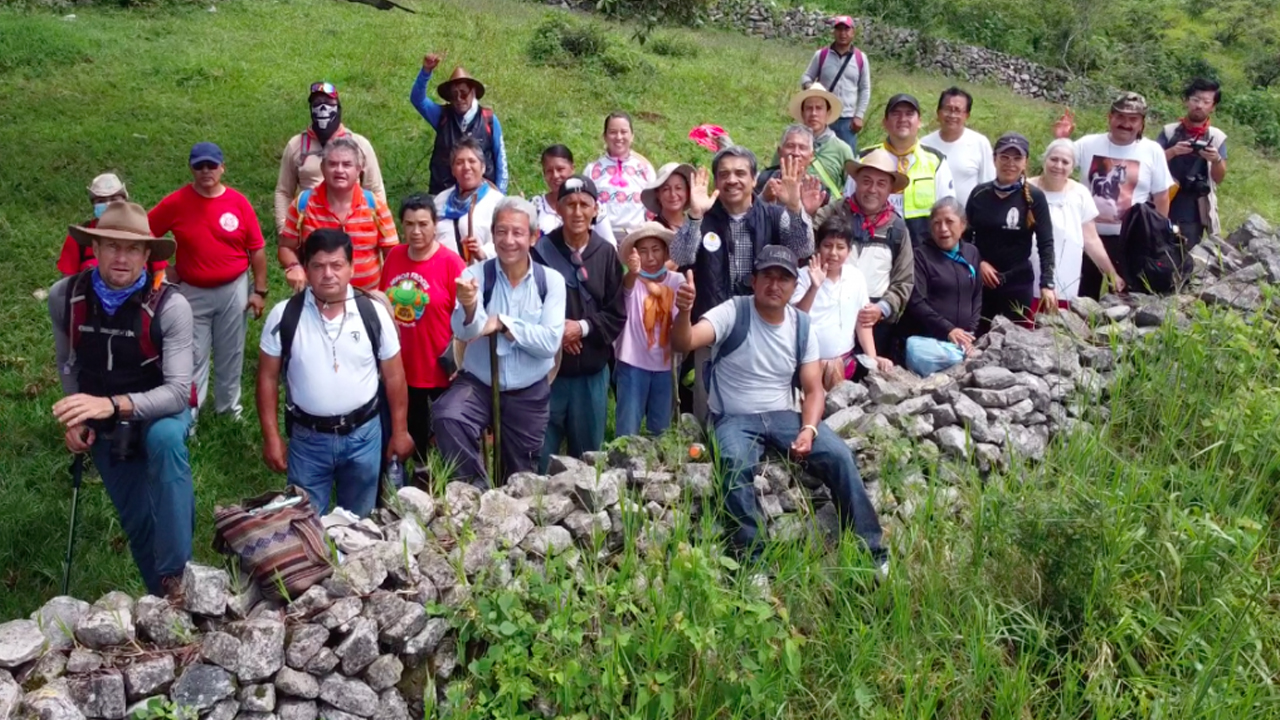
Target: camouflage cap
{"x": 1130, "y": 103}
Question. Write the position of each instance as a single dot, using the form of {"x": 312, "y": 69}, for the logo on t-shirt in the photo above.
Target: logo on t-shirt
{"x": 409, "y": 298}
{"x": 1012, "y": 218}
{"x": 229, "y": 222}
{"x": 1112, "y": 182}
{"x": 711, "y": 242}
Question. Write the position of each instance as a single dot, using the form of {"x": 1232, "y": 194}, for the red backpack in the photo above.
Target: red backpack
{"x": 822, "y": 60}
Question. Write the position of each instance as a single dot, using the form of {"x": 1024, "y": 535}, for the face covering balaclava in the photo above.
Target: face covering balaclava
{"x": 326, "y": 117}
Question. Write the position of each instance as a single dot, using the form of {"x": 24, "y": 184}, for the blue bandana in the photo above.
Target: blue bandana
{"x": 954, "y": 254}
{"x": 1012, "y": 187}
{"x": 456, "y": 206}
{"x": 112, "y": 299}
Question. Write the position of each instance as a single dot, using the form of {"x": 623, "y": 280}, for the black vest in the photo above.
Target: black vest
{"x": 711, "y": 269}
{"x": 448, "y": 135}
{"x": 109, "y": 356}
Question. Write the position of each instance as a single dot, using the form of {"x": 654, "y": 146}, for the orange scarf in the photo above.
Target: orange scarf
{"x": 657, "y": 315}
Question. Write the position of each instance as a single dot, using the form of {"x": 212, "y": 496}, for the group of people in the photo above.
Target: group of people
{"x": 737, "y": 292}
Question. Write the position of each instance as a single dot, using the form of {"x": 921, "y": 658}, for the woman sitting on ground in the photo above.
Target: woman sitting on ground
{"x": 833, "y": 293}
{"x": 1004, "y": 215}
{"x": 667, "y": 197}
{"x": 557, "y": 166}
{"x": 946, "y": 300}
{"x": 1074, "y": 231}
{"x": 466, "y": 209}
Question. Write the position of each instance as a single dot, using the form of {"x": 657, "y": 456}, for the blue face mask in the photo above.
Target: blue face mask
{"x": 98, "y": 209}
{"x": 654, "y": 276}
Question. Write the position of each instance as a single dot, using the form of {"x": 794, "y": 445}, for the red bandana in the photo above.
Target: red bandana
{"x": 1195, "y": 132}
{"x": 871, "y": 223}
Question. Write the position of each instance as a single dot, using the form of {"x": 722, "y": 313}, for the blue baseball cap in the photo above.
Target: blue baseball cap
{"x": 205, "y": 152}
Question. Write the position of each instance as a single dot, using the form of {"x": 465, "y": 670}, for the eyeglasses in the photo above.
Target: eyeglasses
{"x": 205, "y": 165}
{"x": 323, "y": 87}
{"x": 575, "y": 257}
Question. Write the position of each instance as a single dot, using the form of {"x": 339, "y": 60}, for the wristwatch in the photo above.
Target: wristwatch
{"x": 115, "y": 407}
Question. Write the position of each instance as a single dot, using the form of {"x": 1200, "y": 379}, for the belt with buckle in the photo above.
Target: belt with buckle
{"x": 336, "y": 424}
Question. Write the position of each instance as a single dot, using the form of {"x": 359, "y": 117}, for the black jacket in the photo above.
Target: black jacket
{"x": 711, "y": 269}
{"x": 448, "y": 134}
{"x": 945, "y": 295}
{"x": 597, "y": 301}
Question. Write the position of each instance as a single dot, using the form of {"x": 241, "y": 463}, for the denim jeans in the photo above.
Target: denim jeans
{"x": 844, "y": 132}
{"x": 642, "y": 394}
{"x": 320, "y": 461}
{"x": 154, "y": 497}
{"x": 741, "y": 440}
{"x": 579, "y": 406}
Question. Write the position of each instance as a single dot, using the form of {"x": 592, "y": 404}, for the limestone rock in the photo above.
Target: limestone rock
{"x": 98, "y": 696}
{"x": 297, "y": 684}
{"x": 547, "y": 541}
{"x": 228, "y": 709}
{"x": 163, "y": 624}
{"x": 408, "y": 624}
{"x": 943, "y": 415}
{"x": 391, "y": 706}
{"x": 201, "y": 686}
{"x": 348, "y": 695}
{"x": 1244, "y": 297}
{"x": 204, "y": 590}
{"x": 304, "y": 642}
{"x": 51, "y": 702}
{"x": 584, "y": 525}
{"x": 322, "y": 663}
{"x": 361, "y": 573}
{"x": 662, "y": 493}
{"x": 526, "y": 485}
{"x": 953, "y": 441}
{"x": 696, "y": 479}
{"x": 998, "y": 398}
{"x": 21, "y": 641}
{"x": 844, "y": 419}
{"x": 148, "y": 676}
{"x": 595, "y": 493}
{"x": 360, "y": 647}
{"x": 102, "y": 628}
{"x": 83, "y": 661}
{"x": 261, "y": 651}
{"x": 502, "y": 518}
{"x": 549, "y": 509}
{"x": 258, "y": 698}
{"x": 221, "y": 649}
{"x": 384, "y": 672}
{"x": 846, "y": 394}
{"x": 461, "y": 501}
{"x": 993, "y": 377}
{"x": 340, "y": 613}
{"x": 289, "y": 709}
{"x": 882, "y": 390}
{"x": 57, "y": 620}
{"x": 426, "y": 641}
{"x": 445, "y": 660}
{"x": 417, "y": 504}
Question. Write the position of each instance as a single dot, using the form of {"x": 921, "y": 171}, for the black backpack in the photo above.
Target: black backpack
{"x": 1156, "y": 253}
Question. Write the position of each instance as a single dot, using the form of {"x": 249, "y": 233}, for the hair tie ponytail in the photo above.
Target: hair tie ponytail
{"x": 1026, "y": 195}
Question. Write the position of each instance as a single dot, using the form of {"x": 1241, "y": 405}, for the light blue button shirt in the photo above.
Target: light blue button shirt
{"x": 535, "y": 327}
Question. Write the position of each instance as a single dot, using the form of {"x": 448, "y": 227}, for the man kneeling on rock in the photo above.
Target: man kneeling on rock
{"x": 123, "y": 347}
{"x": 760, "y": 345}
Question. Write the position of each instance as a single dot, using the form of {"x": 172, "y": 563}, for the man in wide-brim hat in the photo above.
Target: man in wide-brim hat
{"x": 123, "y": 348}
{"x": 461, "y": 116}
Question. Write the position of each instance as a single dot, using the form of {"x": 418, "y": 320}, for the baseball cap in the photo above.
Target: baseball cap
{"x": 107, "y": 185}
{"x": 1130, "y": 103}
{"x": 324, "y": 88}
{"x": 778, "y": 256}
{"x": 899, "y": 99}
{"x": 576, "y": 184}
{"x": 840, "y": 20}
{"x": 1013, "y": 140}
{"x": 205, "y": 152}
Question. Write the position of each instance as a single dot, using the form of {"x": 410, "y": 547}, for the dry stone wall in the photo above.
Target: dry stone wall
{"x": 366, "y": 642}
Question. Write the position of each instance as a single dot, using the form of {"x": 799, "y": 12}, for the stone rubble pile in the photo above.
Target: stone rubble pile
{"x": 367, "y": 642}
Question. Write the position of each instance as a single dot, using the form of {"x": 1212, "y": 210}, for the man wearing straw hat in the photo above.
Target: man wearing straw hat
{"x": 843, "y": 69}
{"x": 123, "y": 349}
{"x": 819, "y": 110}
{"x": 461, "y": 116}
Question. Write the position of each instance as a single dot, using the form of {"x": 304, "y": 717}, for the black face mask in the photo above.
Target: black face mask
{"x": 326, "y": 118}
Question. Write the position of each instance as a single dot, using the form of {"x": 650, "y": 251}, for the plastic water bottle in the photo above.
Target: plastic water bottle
{"x": 395, "y": 473}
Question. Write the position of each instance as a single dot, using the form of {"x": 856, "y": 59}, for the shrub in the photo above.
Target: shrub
{"x": 1259, "y": 109}
{"x": 649, "y": 14}
{"x": 562, "y": 40}
{"x": 672, "y": 46}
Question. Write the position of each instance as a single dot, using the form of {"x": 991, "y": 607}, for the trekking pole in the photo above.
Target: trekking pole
{"x": 497, "y": 410}
{"x": 77, "y": 474}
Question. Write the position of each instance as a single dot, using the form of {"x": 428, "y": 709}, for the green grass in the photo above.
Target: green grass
{"x": 1130, "y": 575}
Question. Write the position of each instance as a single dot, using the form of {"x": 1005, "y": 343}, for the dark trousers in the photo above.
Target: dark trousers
{"x": 1011, "y": 298}
{"x": 741, "y": 440}
{"x": 466, "y": 409}
{"x": 919, "y": 229}
{"x": 579, "y": 410}
{"x": 420, "y": 400}
{"x": 1192, "y": 231}
{"x": 154, "y": 497}
{"x": 1091, "y": 277}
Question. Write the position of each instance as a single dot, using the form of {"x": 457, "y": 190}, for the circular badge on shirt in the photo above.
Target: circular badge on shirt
{"x": 229, "y": 222}
{"x": 711, "y": 242}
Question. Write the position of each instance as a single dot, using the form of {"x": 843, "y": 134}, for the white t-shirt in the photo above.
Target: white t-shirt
{"x": 314, "y": 386}
{"x": 757, "y": 376}
{"x": 1120, "y": 176}
{"x": 834, "y": 313}
{"x": 549, "y": 220}
{"x": 1069, "y": 209}
{"x": 449, "y": 231}
{"x": 969, "y": 159}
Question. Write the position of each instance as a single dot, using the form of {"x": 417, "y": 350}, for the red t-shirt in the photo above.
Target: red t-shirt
{"x": 215, "y": 235}
{"x": 74, "y": 258}
{"x": 422, "y": 296}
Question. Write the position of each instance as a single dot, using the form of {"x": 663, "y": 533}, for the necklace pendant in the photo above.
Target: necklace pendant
{"x": 335, "y": 366}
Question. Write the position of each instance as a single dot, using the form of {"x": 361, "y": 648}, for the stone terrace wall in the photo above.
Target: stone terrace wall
{"x": 364, "y": 645}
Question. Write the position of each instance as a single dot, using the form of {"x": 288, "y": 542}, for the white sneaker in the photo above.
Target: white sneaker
{"x": 882, "y": 570}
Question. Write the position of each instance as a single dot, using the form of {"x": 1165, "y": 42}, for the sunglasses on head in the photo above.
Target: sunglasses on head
{"x": 205, "y": 165}
{"x": 323, "y": 87}
{"x": 575, "y": 257}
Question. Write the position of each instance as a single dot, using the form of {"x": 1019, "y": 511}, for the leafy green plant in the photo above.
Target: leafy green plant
{"x": 158, "y": 708}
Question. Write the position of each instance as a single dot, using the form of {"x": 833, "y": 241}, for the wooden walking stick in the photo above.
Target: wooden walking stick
{"x": 471, "y": 225}
{"x": 494, "y": 379}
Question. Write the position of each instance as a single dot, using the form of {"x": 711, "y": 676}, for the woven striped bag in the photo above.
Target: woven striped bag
{"x": 279, "y": 540}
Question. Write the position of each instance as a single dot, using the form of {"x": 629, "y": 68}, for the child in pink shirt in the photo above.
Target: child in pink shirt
{"x": 645, "y": 386}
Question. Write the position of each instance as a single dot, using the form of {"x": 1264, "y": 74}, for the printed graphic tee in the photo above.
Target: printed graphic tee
{"x": 1120, "y": 176}
{"x": 422, "y": 296}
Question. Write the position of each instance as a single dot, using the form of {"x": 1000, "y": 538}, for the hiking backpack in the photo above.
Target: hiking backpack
{"x": 148, "y": 331}
{"x": 738, "y": 335}
{"x": 490, "y": 269}
{"x": 1156, "y": 254}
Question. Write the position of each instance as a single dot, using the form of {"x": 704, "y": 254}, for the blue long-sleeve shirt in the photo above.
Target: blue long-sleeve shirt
{"x": 433, "y": 113}
{"x": 536, "y": 327}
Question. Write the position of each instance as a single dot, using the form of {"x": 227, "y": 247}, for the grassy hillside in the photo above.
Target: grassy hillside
{"x": 1130, "y": 575}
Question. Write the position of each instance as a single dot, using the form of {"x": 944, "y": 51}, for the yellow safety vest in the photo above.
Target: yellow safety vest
{"x": 918, "y": 198}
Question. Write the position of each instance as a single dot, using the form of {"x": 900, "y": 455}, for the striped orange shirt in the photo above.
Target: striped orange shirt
{"x": 370, "y": 229}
